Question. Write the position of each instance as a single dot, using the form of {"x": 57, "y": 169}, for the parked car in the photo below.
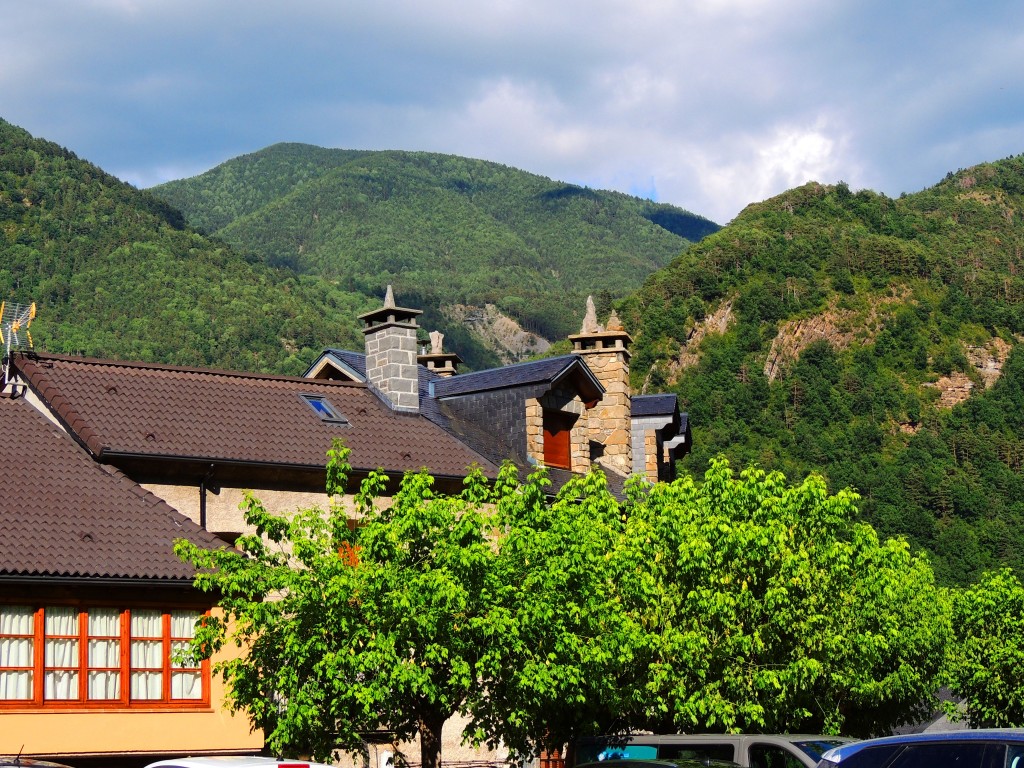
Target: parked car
{"x": 234, "y": 761}
{"x": 683, "y": 763}
{"x": 749, "y": 750}
{"x": 982, "y": 748}
{"x": 17, "y": 761}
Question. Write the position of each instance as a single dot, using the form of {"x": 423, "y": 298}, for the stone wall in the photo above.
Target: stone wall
{"x": 609, "y": 420}
{"x": 391, "y": 364}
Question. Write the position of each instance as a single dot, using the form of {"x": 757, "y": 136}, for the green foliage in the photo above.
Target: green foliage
{"x": 116, "y": 273}
{"x": 908, "y": 289}
{"x": 740, "y": 603}
{"x": 780, "y": 612}
{"x": 987, "y": 654}
{"x": 442, "y": 228}
{"x": 353, "y": 630}
{"x": 569, "y": 633}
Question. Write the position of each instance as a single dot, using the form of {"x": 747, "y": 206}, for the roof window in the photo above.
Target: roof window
{"x": 323, "y": 408}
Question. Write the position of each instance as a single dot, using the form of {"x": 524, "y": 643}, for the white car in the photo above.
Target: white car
{"x": 234, "y": 761}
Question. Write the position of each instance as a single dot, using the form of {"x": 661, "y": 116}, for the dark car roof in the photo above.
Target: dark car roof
{"x": 1015, "y": 735}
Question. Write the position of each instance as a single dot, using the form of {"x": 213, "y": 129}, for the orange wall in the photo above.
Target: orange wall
{"x": 97, "y": 732}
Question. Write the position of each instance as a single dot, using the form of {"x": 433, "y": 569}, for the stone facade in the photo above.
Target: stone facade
{"x": 560, "y": 401}
{"x": 606, "y": 353}
{"x": 650, "y": 456}
{"x": 391, "y": 364}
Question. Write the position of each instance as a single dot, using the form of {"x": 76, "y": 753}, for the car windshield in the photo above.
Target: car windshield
{"x": 815, "y": 748}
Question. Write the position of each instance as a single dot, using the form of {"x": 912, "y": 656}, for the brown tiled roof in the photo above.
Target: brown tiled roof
{"x": 62, "y": 514}
{"x": 154, "y": 411}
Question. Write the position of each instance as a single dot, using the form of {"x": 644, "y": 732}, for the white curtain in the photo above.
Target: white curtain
{"x": 16, "y": 651}
{"x": 188, "y": 683}
{"x": 147, "y": 655}
{"x": 183, "y": 624}
{"x": 62, "y": 653}
{"x": 104, "y": 651}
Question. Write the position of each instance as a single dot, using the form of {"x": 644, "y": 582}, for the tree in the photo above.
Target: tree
{"x": 569, "y": 620}
{"x": 987, "y": 651}
{"x": 781, "y": 611}
{"x": 353, "y": 629}
{"x": 738, "y": 603}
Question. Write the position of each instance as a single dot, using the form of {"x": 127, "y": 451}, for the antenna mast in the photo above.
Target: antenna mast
{"x": 15, "y": 320}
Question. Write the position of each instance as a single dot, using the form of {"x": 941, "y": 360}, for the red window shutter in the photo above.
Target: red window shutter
{"x": 557, "y": 429}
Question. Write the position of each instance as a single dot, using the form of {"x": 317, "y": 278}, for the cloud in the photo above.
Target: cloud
{"x": 708, "y": 104}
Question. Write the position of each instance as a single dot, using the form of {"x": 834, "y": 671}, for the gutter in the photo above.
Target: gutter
{"x": 100, "y": 581}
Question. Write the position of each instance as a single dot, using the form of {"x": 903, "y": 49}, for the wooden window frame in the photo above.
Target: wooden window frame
{"x": 125, "y": 668}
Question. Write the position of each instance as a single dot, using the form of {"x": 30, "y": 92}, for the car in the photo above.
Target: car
{"x": 17, "y": 761}
{"x": 682, "y": 763}
{"x": 234, "y": 761}
{"x": 685, "y": 762}
{"x": 979, "y": 748}
{"x": 749, "y": 750}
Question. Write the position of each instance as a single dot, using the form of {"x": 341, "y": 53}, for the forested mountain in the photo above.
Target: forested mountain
{"x": 442, "y": 229}
{"x": 117, "y": 273}
{"x": 873, "y": 340}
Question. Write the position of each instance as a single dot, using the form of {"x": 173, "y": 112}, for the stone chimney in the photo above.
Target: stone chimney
{"x": 605, "y": 350}
{"x": 390, "y": 334}
{"x": 442, "y": 363}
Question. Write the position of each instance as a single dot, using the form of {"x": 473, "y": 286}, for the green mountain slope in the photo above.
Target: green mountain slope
{"x": 839, "y": 332}
{"x": 442, "y": 229}
{"x": 117, "y": 273}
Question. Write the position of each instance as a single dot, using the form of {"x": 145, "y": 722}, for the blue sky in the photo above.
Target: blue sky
{"x": 709, "y": 104}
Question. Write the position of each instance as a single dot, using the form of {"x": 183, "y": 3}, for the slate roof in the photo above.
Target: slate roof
{"x": 353, "y": 360}
{"x": 520, "y": 374}
{"x": 62, "y": 514}
{"x": 142, "y": 410}
{"x": 653, "y": 405}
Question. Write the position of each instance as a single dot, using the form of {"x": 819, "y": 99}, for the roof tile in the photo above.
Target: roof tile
{"x": 65, "y": 515}
{"x": 165, "y": 411}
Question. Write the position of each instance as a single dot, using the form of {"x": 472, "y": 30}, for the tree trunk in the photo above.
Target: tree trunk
{"x": 430, "y": 725}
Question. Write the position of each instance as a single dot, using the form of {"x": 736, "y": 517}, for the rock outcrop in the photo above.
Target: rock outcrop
{"x": 499, "y": 332}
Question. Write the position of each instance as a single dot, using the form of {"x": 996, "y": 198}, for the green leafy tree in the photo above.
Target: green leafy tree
{"x": 987, "y": 652}
{"x": 571, "y": 618}
{"x": 348, "y": 630}
{"x": 738, "y": 603}
{"x": 780, "y": 611}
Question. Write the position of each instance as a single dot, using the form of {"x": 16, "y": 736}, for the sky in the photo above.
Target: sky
{"x": 705, "y": 104}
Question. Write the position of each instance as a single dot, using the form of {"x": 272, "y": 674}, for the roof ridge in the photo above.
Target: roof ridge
{"x": 520, "y": 364}
{"x": 144, "y": 366}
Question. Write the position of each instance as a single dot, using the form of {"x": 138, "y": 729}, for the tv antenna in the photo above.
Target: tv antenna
{"x": 15, "y": 320}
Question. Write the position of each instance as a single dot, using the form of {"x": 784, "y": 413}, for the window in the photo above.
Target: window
{"x": 323, "y": 408}
{"x": 699, "y": 750}
{"x": 557, "y": 443}
{"x": 771, "y": 756}
{"x": 102, "y": 656}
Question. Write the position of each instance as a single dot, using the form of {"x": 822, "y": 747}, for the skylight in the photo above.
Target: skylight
{"x": 322, "y": 407}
